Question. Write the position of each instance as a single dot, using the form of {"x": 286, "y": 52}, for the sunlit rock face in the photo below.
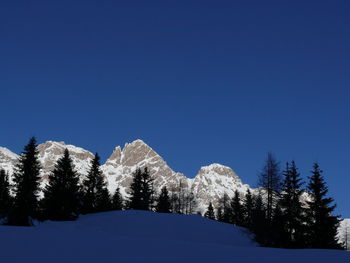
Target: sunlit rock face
{"x": 50, "y": 152}
{"x": 123, "y": 163}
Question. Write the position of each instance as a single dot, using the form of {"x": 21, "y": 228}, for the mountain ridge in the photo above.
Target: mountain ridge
{"x": 209, "y": 185}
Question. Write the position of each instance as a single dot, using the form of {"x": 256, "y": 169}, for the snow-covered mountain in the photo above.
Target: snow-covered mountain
{"x": 50, "y": 152}
{"x": 120, "y": 166}
{"x": 210, "y": 184}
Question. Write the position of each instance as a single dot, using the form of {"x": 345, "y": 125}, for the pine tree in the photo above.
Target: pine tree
{"x": 104, "y": 200}
{"x": 270, "y": 181}
{"x": 259, "y": 222}
{"x": 210, "y": 212}
{"x": 96, "y": 196}
{"x": 163, "y": 201}
{"x": 293, "y": 211}
{"x": 237, "y": 210}
{"x": 117, "y": 200}
{"x": 26, "y": 185}
{"x": 248, "y": 206}
{"x": 219, "y": 215}
{"x": 226, "y": 209}
{"x": 141, "y": 190}
{"x": 322, "y": 224}
{"x": 136, "y": 191}
{"x": 5, "y": 198}
{"x": 62, "y": 197}
{"x": 278, "y": 235}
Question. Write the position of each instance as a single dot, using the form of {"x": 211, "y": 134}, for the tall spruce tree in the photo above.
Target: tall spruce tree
{"x": 117, "y": 200}
{"x": 322, "y": 224}
{"x": 26, "y": 186}
{"x": 277, "y": 237}
{"x": 248, "y": 206}
{"x": 237, "y": 210}
{"x": 5, "y": 197}
{"x": 141, "y": 195}
{"x": 225, "y": 209}
{"x": 259, "y": 221}
{"x": 96, "y": 195}
{"x": 135, "y": 201}
{"x": 62, "y": 196}
{"x": 270, "y": 181}
{"x": 163, "y": 201}
{"x": 293, "y": 211}
{"x": 210, "y": 212}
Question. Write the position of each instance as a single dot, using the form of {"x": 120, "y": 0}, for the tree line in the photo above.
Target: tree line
{"x": 65, "y": 198}
{"x": 282, "y": 213}
{"x": 277, "y": 215}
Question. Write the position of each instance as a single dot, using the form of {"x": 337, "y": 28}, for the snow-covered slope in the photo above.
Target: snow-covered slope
{"x": 142, "y": 237}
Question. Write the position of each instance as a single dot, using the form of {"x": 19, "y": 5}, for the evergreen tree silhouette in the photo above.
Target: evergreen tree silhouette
{"x": 163, "y": 201}
{"x": 248, "y": 206}
{"x": 259, "y": 222}
{"x": 219, "y": 215}
{"x": 293, "y": 211}
{"x": 136, "y": 191}
{"x": 96, "y": 195}
{"x": 322, "y": 224}
{"x": 237, "y": 210}
{"x": 117, "y": 200}
{"x": 141, "y": 190}
{"x": 270, "y": 181}
{"x": 62, "y": 197}
{"x": 278, "y": 234}
{"x": 5, "y": 198}
{"x": 26, "y": 185}
{"x": 226, "y": 209}
{"x": 210, "y": 212}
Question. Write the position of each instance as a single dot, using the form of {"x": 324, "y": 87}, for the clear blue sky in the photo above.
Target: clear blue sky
{"x": 199, "y": 81}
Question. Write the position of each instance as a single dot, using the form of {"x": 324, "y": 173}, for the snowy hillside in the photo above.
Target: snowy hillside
{"x": 141, "y": 237}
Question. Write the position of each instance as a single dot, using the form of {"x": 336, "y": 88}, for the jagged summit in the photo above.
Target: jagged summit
{"x": 123, "y": 162}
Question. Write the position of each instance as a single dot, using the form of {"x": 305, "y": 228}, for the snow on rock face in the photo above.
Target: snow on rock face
{"x": 123, "y": 163}
{"x": 212, "y": 182}
{"x": 50, "y": 152}
{"x": 343, "y": 231}
{"x": 8, "y": 160}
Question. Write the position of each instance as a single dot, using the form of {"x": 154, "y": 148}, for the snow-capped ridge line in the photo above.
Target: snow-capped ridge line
{"x": 209, "y": 185}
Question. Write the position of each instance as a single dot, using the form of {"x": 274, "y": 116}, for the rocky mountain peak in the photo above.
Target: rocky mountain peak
{"x": 137, "y": 154}
{"x": 216, "y": 169}
{"x": 213, "y": 182}
{"x": 51, "y": 151}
